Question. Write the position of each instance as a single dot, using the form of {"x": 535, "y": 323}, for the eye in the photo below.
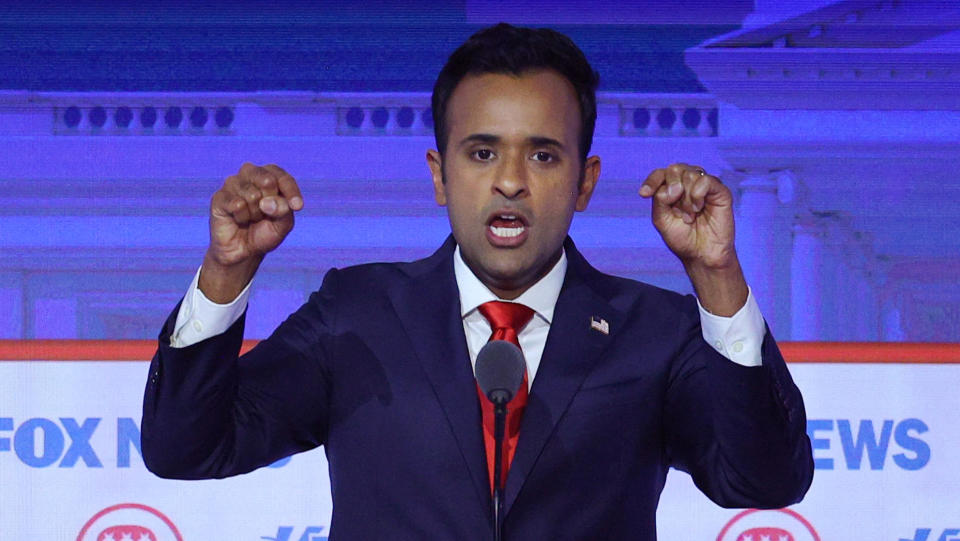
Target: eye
{"x": 542, "y": 156}
{"x": 484, "y": 154}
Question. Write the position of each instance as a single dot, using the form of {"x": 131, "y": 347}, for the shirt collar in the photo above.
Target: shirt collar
{"x": 541, "y": 296}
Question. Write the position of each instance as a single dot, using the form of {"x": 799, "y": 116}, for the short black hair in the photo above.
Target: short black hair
{"x": 508, "y": 49}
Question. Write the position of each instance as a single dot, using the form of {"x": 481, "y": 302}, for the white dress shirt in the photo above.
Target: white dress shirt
{"x": 738, "y": 338}
{"x": 541, "y": 298}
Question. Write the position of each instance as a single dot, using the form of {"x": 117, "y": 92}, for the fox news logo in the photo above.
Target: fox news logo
{"x": 39, "y": 442}
{"x": 768, "y": 525}
{"x": 129, "y": 522}
{"x": 67, "y": 442}
{"x": 858, "y": 444}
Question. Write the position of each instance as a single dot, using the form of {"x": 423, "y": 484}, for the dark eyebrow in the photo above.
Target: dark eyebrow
{"x": 536, "y": 140}
{"x": 545, "y": 141}
{"x": 480, "y": 138}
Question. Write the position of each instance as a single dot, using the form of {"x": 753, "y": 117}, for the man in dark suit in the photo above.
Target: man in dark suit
{"x": 625, "y": 380}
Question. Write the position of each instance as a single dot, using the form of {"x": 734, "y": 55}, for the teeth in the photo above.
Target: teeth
{"x": 507, "y": 231}
{"x": 508, "y": 217}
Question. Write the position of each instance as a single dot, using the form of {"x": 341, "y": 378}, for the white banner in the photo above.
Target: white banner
{"x": 887, "y": 450}
{"x": 884, "y": 435}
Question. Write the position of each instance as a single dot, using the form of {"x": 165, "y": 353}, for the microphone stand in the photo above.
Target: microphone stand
{"x": 499, "y": 420}
{"x": 499, "y": 371}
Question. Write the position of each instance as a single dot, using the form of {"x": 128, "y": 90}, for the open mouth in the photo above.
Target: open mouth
{"x": 507, "y": 225}
{"x": 506, "y": 229}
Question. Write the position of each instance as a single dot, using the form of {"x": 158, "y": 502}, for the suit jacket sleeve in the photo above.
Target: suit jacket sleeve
{"x": 739, "y": 431}
{"x": 208, "y": 413}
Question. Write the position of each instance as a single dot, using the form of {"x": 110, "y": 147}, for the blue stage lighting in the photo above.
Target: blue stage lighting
{"x": 123, "y": 116}
{"x": 380, "y": 117}
{"x": 355, "y": 117}
{"x": 223, "y": 117}
{"x": 198, "y": 117}
{"x": 405, "y": 117}
{"x": 641, "y": 118}
{"x": 691, "y": 118}
{"x": 71, "y": 117}
{"x": 98, "y": 116}
{"x": 666, "y": 117}
{"x": 148, "y": 117}
{"x": 173, "y": 117}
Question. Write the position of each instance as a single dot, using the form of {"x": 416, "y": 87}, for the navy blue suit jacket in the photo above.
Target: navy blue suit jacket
{"x": 374, "y": 367}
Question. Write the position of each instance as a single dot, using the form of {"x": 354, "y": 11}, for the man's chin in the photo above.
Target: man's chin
{"x": 512, "y": 278}
{"x": 507, "y": 270}
{"x": 507, "y": 278}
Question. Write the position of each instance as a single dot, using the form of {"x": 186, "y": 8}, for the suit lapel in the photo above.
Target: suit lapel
{"x": 571, "y": 350}
{"x": 429, "y": 308}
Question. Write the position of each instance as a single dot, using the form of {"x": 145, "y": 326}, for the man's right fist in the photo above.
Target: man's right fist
{"x": 249, "y": 216}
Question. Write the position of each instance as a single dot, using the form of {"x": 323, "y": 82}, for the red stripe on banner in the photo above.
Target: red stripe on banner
{"x": 794, "y": 352}
{"x": 871, "y": 352}
{"x": 84, "y": 350}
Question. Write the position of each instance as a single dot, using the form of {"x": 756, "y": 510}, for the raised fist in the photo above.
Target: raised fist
{"x": 250, "y": 215}
{"x": 693, "y": 212}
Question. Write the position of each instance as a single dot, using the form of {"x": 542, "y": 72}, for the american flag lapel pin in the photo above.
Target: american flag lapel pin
{"x": 599, "y": 324}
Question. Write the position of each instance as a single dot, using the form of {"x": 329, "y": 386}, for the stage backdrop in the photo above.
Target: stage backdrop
{"x": 836, "y": 124}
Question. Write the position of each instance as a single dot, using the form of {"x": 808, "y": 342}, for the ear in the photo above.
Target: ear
{"x": 591, "y": 172}
{"x": 435, "y": 162}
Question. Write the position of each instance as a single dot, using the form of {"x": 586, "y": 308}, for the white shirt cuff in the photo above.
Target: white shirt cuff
{"x": 738, "y": 337}
{"x": 200, "y": 318}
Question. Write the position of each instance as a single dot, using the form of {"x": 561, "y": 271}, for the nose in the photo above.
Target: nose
{"x": 511, "y": 177}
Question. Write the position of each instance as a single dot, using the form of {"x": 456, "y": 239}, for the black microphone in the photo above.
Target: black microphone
{"x": 499, "y": 369}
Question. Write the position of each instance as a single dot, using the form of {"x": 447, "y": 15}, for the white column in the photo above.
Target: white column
{"x": 855, "y": 297}
{"x": 11, "y": 299}
{"x": 836, "y": 287}
{"x": 862, "y": 319}
{"x": 892, "y": 325}
{"x": 806, "y": 279}
{"x": 865, "y": 313}
{"x": 756, "y": 238}
{"x": 55, "y": 318}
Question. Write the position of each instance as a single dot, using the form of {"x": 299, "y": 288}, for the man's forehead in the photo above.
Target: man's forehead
{"x": 538, "y": 103}
{"x": 554, "y": 81}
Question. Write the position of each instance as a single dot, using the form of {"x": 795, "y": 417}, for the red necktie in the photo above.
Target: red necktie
{"x": 507, "y": 319}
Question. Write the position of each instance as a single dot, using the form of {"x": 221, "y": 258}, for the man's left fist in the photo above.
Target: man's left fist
{"x": 693, "y": 211}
